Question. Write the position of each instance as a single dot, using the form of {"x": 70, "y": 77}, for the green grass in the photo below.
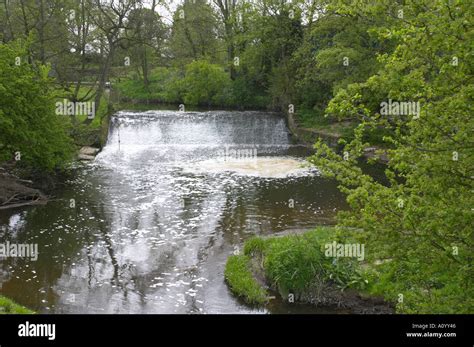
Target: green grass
{"x": 297, "y": 263}
{"x": 445, "y": 293}
{"x": 314, "y": 119}
{"x": 255, "y": 246}
{"x": 165, "y": 85}
{"x": 238, "y": 274}
{"x": 291, "y": 264}
{"x": 8, "y": 306}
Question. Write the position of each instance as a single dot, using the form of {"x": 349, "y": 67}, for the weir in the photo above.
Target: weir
{"x": 160, "y": 209}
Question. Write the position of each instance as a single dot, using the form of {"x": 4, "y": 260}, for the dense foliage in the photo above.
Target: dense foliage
{"x": 421, "y": 223}
{"x": 30, "y": 131}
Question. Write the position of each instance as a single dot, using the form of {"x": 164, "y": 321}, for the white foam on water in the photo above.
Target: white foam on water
{"x": 265, "y": 167}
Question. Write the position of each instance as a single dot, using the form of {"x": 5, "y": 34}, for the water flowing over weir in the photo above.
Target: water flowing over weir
{"x": 158, "y": 212}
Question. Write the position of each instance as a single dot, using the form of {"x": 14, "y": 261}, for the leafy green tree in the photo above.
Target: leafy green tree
{"x": 338, "y": 49}
{"x": 145, "y": 35}
{"x": 194, "y": 33}
{"x": 270, "y": 34}
{"x": 420, "y": 224}
{"x": 30, "y": 130}
{"x": 206, "y": 84}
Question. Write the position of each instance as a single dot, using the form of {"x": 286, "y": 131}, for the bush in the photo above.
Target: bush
{"x": 201, "y": 83}
{"x": 207, "y": 84}
{"x": 28, "y": 122}
{"x": 165, "y": 85}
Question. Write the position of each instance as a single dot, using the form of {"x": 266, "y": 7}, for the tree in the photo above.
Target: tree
{"x": 194, "y": 33}
{"x": 206, "y": 84}
{"x": 275, "y": 31}
{"x": 420, "y": 224}
{"x": 146, "y": 35}
{"x": 30, "y": 131}
{"x": 227, "y": 9}
{"x": 110, "y": 17}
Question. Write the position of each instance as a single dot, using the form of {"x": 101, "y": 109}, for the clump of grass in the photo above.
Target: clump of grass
{"x": 254, "y": 246}
{"x": 293, "y": 262}
{"x": 8, "y": 306}
{"x": 238, "y": 274}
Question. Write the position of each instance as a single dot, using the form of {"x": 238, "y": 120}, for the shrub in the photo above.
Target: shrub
{"x": 28, "y": 122}
{"x": 207, "y": 84}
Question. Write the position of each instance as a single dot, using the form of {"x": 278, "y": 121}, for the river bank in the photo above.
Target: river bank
{"x": 21, "y": 188}
{"x": 309, "y": 132}
{"x": 24, "y": 186}
{"x": 8, "y": 306}
{"x": 295, "y": 268}
{"x": 16, "y": 192}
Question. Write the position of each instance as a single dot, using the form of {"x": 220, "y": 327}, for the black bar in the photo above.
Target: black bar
{"x": 310, "y": 330}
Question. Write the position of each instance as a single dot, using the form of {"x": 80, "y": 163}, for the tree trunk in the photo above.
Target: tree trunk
{"x": 103, "y": 79}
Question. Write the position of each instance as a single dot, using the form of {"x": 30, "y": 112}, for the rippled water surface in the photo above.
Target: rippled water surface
{"x": 169, "y": 198}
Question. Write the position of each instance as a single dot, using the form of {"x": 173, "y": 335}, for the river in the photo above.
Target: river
{"x": 148, "y": 225}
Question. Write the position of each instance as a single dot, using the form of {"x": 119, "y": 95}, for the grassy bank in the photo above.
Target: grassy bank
{"x": 314, "y": 119}
{"x": 311, "y": 124}
{"x": 8, "y": 306}
{"x": 239, "y": 276}
{"x": 296, "y": 267}
{"x": 299, "y": 270}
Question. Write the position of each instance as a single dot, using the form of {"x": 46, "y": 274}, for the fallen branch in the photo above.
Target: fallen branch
{"x": 26, "y": 203}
